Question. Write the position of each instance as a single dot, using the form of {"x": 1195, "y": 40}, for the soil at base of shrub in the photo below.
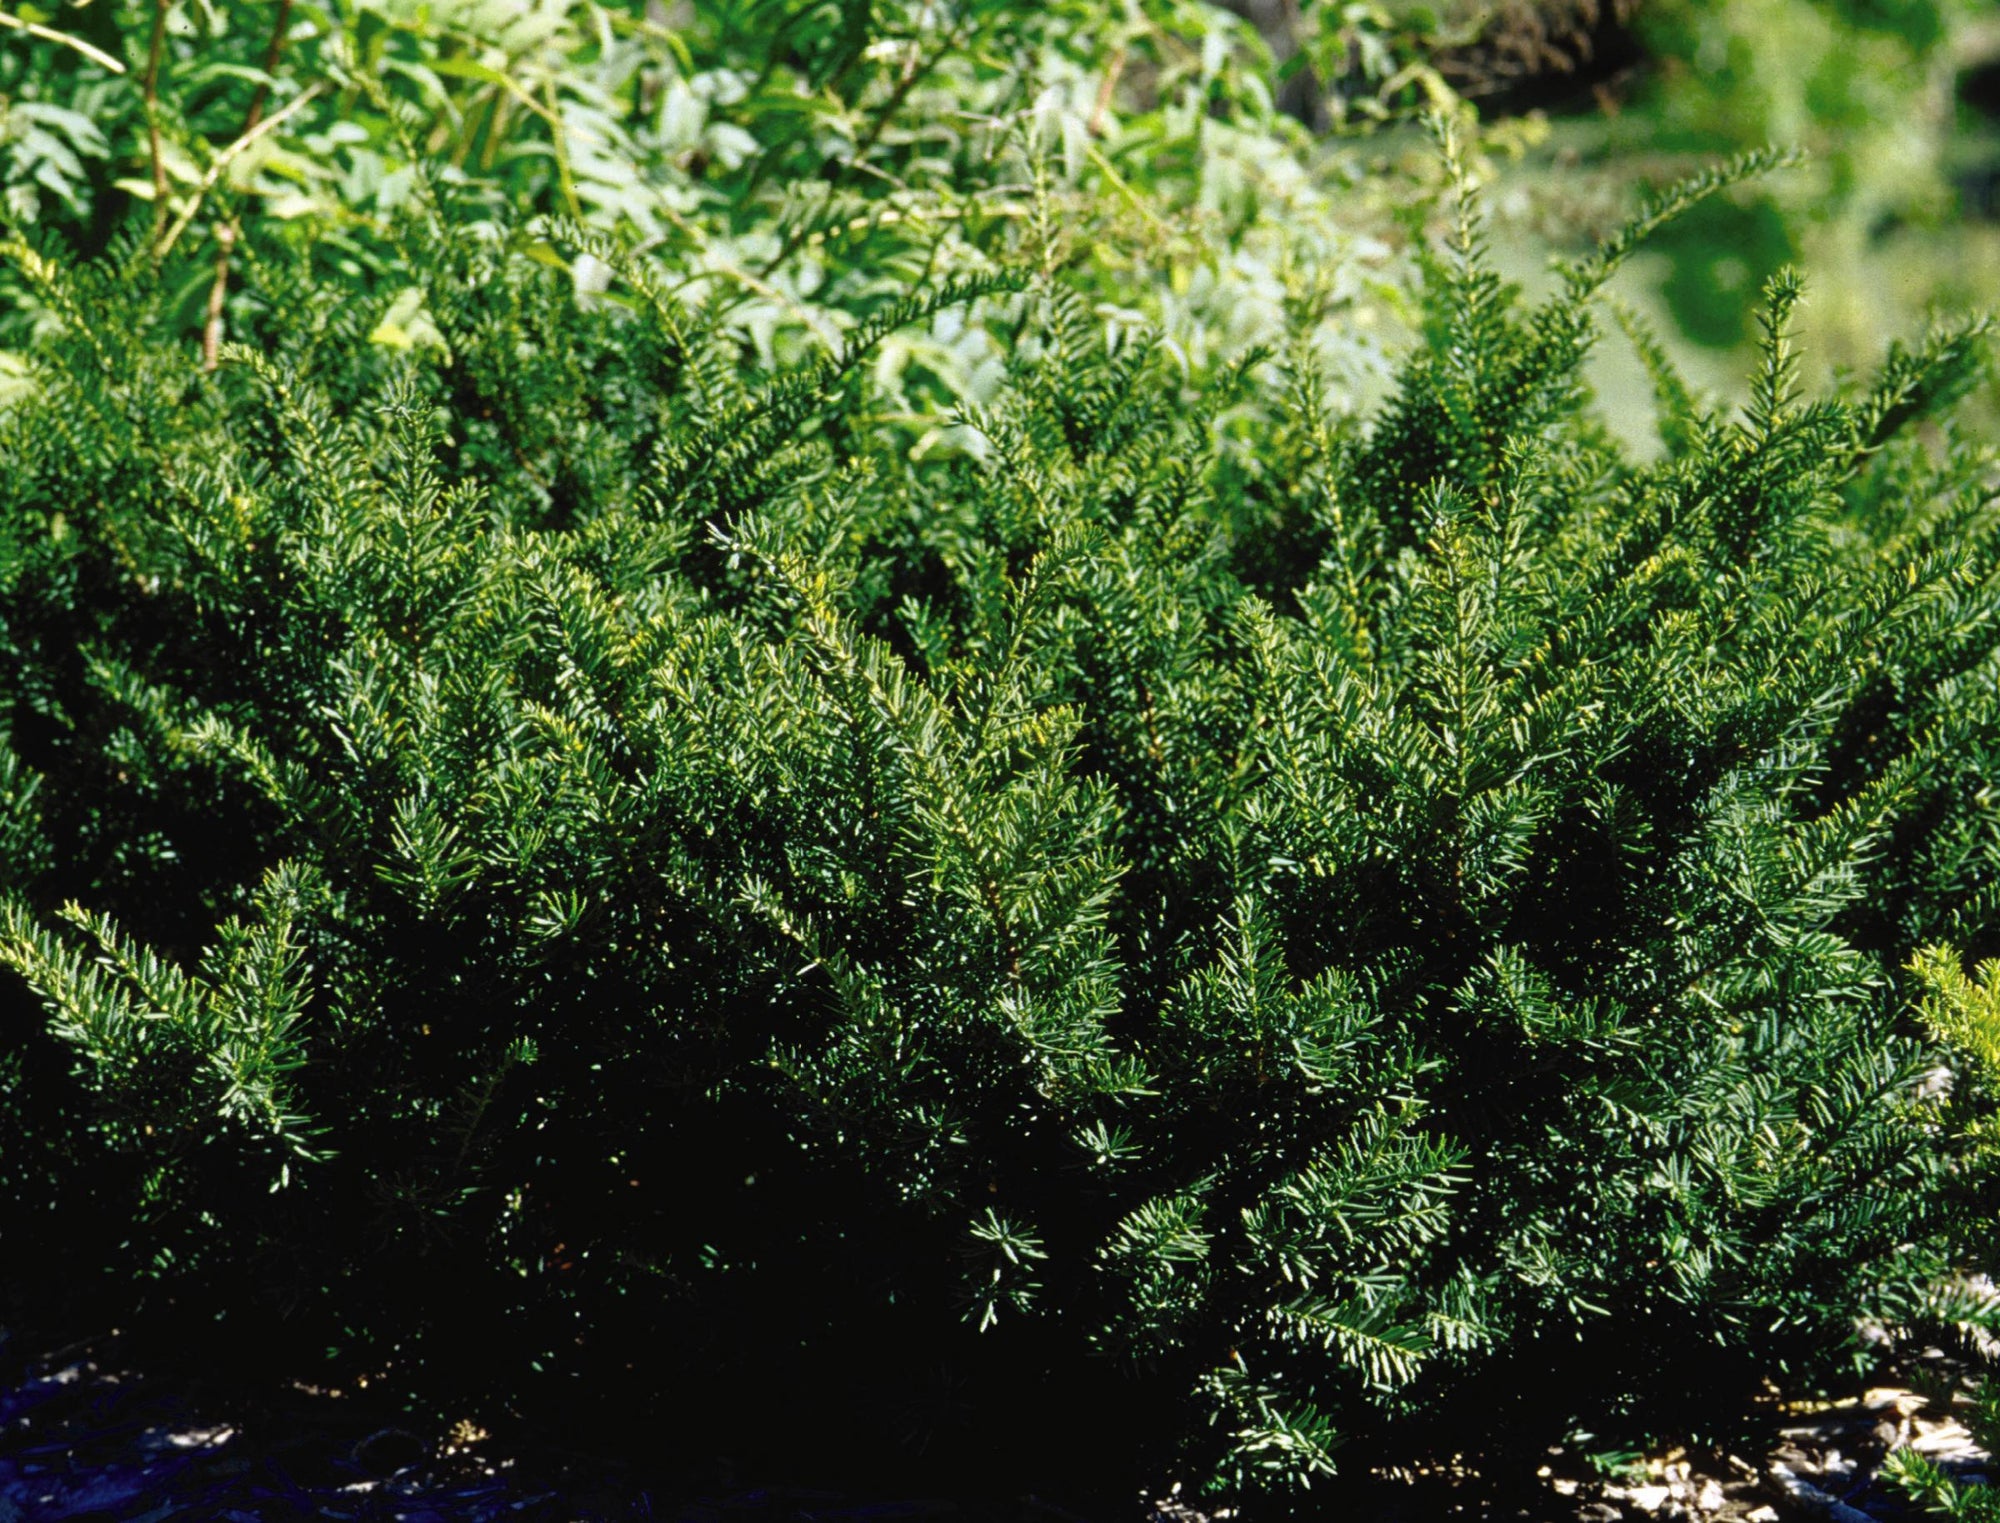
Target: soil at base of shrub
{"x": 85, "y": 1436}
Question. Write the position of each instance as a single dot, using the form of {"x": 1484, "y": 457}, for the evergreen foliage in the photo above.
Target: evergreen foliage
{"x": 1210, "y": 929}
{"x": 1963, "y": 1012}
{"x": 1940, "y": 1493}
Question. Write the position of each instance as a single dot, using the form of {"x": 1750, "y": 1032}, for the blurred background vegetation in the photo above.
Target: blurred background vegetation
{"x": 798, "y": 160}
{"x": 796, "y": 164}
{"x": 1894, "y": 214}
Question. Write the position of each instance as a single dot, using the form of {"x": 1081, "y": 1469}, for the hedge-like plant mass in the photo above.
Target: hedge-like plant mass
{"x": 1158, "y": 935}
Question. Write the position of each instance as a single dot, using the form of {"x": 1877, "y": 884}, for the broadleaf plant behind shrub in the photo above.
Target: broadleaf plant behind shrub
{"x": 594, "y": 879}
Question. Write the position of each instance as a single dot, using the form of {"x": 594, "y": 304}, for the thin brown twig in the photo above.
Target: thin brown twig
{"x": 225, "y": 235}
{"x": 153, "y": 118}
{"x": 63, "y": 39}
{"x": 218, "y": 292}
{"x": 1107, "y": 90}
{"x": 271, "y": 56}
{"x": 560, "y": 142}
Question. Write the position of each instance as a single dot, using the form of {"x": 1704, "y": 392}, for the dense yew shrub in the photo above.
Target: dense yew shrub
{"x": 1157, "y": 934}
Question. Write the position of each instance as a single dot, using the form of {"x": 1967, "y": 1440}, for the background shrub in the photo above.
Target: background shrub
{"x": 797, "y": 166}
